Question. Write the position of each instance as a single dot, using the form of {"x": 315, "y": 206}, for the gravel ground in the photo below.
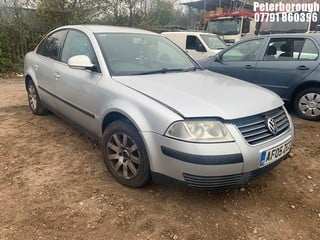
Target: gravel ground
{"x": 54, "y": 185}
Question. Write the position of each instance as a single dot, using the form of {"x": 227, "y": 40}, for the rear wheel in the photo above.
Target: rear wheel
{"x": 125, "y": 155}
{"x": 34, "y": 100}
{"x": 307, "y": 104}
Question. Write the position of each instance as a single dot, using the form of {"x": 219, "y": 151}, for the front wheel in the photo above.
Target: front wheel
{"x": 307, "y": 104}
{"x": 125, "y": 155}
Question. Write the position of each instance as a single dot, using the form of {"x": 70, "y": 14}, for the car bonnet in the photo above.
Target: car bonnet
{"x": 204, "y": 94}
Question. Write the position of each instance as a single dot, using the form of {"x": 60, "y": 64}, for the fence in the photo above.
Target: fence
{"x": 19, "y": 34}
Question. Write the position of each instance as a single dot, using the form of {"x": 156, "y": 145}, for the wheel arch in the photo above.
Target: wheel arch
{"x": 301, "y": 87}
{"x": 112, "y": 117}
{"x": 118, "y": 115}
{"x": 115, "y": 115}
{"x": 30, "y": 77}
{"x": 27, "y": 79}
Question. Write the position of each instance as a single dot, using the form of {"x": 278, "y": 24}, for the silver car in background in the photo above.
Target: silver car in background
{"x": 158, "y": 115}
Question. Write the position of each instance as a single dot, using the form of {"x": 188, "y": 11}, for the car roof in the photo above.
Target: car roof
{"x": 189, "y": 32}
{"x": 315, "y": 36}
{"x": 107, "y": 28}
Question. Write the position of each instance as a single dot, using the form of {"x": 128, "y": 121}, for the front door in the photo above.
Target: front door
{"x": 76, "y": 87}
{"x": 239, "y": 61}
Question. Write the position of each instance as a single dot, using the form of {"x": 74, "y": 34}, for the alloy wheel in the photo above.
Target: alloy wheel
{"x": 124, "y": 155}
{"x": 32, "y": 94}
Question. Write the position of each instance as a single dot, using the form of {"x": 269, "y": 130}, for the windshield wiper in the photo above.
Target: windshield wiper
{"x": 166, "y": 70}
{"x": 163, "y": 70}
{"x": 192, "y": 69}
{"x": 218, "y": 33}
{"x": 230, "y": 32}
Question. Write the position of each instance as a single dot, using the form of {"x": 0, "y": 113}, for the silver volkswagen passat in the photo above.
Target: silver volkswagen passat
{"x": 158, "y": 115}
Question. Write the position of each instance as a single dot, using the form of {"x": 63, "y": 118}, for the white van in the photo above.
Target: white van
{"x": 197, "y": 44}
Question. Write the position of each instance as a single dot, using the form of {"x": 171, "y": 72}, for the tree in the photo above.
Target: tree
{"x": 162, "y": 13}
{"x": 54, "y": 13}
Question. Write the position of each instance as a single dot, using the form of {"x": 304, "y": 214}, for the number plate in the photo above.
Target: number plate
{"x": 271, "y": 155}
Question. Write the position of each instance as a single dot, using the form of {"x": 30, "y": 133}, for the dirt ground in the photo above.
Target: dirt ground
{"x": 54, "y": 185}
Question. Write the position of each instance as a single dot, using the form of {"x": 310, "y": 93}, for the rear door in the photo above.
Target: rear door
{"x": 240, "y": 60}
{"x": 48, "y": 53}
{"x": 292, "y": 61}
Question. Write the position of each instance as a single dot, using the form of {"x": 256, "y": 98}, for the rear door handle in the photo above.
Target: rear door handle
{"x": 57, "y": 76}
{"x": 302, "y": 68}
{"x": 248, "y": 67}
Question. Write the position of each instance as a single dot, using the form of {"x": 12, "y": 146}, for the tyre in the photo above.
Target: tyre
{"x": 34, "y": 100}
{"x": 307, "y": 104}
{"x": 125, "y": 155}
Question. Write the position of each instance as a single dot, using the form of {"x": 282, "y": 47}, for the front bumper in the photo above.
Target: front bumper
{"x": 213, "y": 182}
{"x": 210, "y": 165}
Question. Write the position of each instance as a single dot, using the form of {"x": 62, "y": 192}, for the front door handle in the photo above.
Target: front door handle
{"x": 302, "y": 68}
{"x": 248, "y": 67}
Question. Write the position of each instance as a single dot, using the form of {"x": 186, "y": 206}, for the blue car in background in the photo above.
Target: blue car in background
{"x": 287, "y": 64}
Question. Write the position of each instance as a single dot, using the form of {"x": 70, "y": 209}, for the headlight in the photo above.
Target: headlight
{"x": 199, "y": 131}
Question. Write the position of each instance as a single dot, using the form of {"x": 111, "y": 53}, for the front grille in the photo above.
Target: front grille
{"x": 213, "y": 182}
{"x": 255, "y": 130}
{"x": 208, "y": 182}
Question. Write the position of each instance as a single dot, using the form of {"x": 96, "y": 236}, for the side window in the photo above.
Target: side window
{"x": 77, "y": 43}
{"x": 51, "y": 46}
{"x": 309, "y": 51}
{"x": 314, "y": 26}
{"x": 193, "y": 43}
{"x": 290, "y": 49}
{"x": 279, "y": 49}
{"x": 246, "y": 51}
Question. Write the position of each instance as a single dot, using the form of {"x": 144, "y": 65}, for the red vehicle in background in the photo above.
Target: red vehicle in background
{"x": 230, "y": 25}
{"x": 233, "y": 24}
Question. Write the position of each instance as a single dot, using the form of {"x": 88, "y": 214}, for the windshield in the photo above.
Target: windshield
{"x": 135, "y": 54}
{"x": 283, "y": 27}
{"x": 228, "y": 26}
{"x": 213, "y": 42}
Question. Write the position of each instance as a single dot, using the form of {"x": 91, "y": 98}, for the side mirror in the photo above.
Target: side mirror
{"x": 81, "y": 62}
{"x": 218, "y": 58}
{"x": 246, "y": 25}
